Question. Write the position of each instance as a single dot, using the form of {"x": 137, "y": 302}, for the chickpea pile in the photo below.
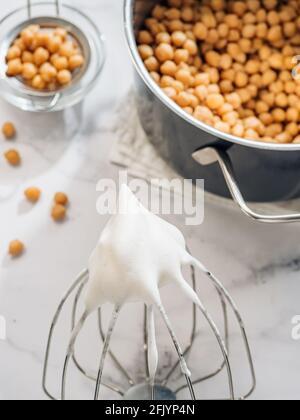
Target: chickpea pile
{"x": 45, "y": 59}
{"x": 229, "y": 63}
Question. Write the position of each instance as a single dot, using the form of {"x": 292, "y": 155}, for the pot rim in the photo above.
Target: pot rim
{"x": 143, "y": 72}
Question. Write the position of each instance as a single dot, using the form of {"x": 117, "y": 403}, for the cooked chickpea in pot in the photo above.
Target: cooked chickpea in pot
{"x": 45, "y": 58}
{"x": 228, "y": 63}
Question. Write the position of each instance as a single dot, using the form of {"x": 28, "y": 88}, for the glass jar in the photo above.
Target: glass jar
{"x": 80, "y": 26}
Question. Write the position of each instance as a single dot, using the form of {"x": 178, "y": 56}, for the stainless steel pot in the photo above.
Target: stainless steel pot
{"x": 264, "y": 172}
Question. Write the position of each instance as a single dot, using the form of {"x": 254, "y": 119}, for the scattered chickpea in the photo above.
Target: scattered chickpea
{"x": 58, "y": 213}
{"x": 16, "y": 248}
{"x": 32, "y": 194}
{"x": 61, "y": 198}
{"x": 9, "y": 130}
{"x": 13, "y": 157}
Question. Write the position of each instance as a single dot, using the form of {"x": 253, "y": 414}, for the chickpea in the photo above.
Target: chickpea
{"x": 181, "y": 56}
{"x": 170, "y": 92}
{"x": 27, "y": 37}
{"x": 64, "y": 77}
{"x": 292, "y": 115}
{"x": 20, "y": 44}
{"x": 42, "y": 39}
{"x": 183, "y": 99}
{"x": 251, "y": 134}
{"x": 187, "y": 14}
{"x": 29, "y": 71}
{"x": 58, "y": 213}
{"x": 213, "y": 58}
{"x": 164, "y": 52}
{"x": 201, "y": 92}
{"x": 261, "y": 107}
{"x": 60, "y": 63}
{"x": 278, "y": 115}
{"x": 293, "y": 129}
{"x": 269, "y": 77}
{"x": 9, "y": 130}
{"x": 33, "y": 28}
{"x": 213, "y": 88}
{"x": 238, "y": 130}
{"x": 14, "y": 67}
{"x": 48, "y": 72}
{"x": 225, "y": 62}
{"x": 178, "y": 38}
{"x": 281, "y": 100}
{"x": 215, "y": 101}
{"x": 75, "y": 62}
{"x": 151, "y": 64}
{"x": 66, "y": 49}
{"x": 225, "y": 109}
{"x": 32, "y": 194}
{"x": 40, "y": 56}
{"x": 274, "y": 34}
{"x": 204, "y": 114}
{"x": 54, "y": 44}
{"x": 144, "y": 37}
{"x": 241, "y": 79}
{"x": 276, "y": 61}
{"x": 163, "y": 38}
{"x": 61, "y": 198}
{"x": 249, "y": 31}
{"x": 191, "y": 47}
{"x": 185, "y": 77}
{"x": 168, "y": 68}
{"x": 266, "y": 118}
{"x": 223, "y": 126}
{"x": 200, "y": 31}
{"x": 145, "y": 52}
{"x": 38, "y": 82}
{"x": 155, "y": 76}
{"x": 16, "y": 248}
{"x": 13, "y": 157}
{"x": 226, "y": 86}
{"x": 27, "y": 57}
{"x": 13, "y": 52}
{"x": 61, "y": 32}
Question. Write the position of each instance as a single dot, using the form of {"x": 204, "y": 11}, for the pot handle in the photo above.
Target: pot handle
{"x": 210, "y": 155}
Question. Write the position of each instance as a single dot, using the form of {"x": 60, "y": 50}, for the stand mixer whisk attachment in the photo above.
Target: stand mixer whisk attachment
{"x": 139, "y": 253}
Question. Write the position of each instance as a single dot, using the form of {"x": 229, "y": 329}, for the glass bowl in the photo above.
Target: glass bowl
{"x": 81, "y": 27}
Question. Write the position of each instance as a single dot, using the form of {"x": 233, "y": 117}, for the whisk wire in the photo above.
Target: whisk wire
{"x": 82, "y": 278}
{"x": 111, "y": 328}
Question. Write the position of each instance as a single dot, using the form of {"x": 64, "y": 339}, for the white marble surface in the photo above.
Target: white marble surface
{"x": 69, "y": 151}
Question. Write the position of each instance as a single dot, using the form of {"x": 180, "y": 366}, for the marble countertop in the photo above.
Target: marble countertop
{"x": 69, "y": 151}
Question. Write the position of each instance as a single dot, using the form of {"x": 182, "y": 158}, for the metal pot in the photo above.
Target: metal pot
{"x": 264, "y": 172}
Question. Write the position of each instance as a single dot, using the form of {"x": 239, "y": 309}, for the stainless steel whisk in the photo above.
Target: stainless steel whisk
{"x": 150, "y": 389}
